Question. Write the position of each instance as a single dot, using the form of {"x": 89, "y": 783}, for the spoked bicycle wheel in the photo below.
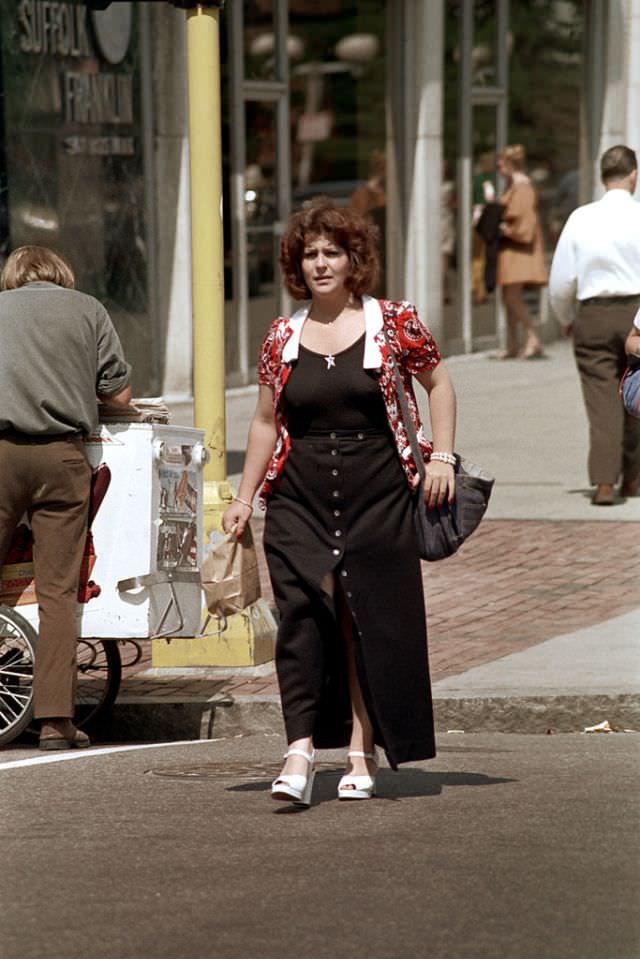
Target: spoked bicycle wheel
{"x": 99, "y": 674}
{"x": 18, "y": 640}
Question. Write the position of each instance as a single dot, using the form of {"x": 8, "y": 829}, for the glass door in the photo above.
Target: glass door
{"x": 482, "y": 94}
{"x": 259, "y": 196}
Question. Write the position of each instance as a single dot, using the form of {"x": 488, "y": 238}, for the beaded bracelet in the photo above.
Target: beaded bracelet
{"x": 444, "y": 458}
{"x": 244, "y": 502}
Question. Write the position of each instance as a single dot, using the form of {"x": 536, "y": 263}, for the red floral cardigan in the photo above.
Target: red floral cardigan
{"x": 415, "y": 352}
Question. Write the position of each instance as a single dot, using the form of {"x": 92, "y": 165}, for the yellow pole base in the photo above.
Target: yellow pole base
{"x": 248, "y": 640}
{"x": 250, "y": 636}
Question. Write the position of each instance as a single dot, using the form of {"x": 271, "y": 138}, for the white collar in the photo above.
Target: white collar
{"x": 372, "y": 325}
{"x": 616, "y": 193}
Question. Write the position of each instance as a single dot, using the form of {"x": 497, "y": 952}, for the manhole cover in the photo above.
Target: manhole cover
{"x": 227, "y": 771}
{"x": 221, "y": 771}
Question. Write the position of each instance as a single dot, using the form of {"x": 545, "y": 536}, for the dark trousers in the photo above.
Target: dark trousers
{"x": 50, "y": 480}
{"x": 599, "y": 334}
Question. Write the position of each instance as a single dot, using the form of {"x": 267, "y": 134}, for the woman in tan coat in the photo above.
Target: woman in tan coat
{"x": 521, "y": 253}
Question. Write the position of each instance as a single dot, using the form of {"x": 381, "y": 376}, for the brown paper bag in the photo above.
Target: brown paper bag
{"x": 229, "y": 575}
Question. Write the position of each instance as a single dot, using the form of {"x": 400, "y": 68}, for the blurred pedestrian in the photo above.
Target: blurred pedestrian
{"x": 59, "y": 353}
{"x": 630, "y": 383}
{"x": 520, "y": 254}
{"x": 597, "y": 264}
{"x": 371, "y": 195}
{"x": 632, "y": 343}
{"x": 484, "y": 191}
{"x": 370, "y": 201}
{"x": 447, "y": 229}
{"x": 329, "y": 448}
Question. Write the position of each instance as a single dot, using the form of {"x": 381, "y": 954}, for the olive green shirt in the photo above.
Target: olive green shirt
{"x": 58, "y": 350}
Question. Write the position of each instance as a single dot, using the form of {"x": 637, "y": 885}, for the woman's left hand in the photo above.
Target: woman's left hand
{"x": 439, "y": 484}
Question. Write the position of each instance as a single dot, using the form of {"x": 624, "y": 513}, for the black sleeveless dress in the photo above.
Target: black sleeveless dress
{"x": 343, "y": 505}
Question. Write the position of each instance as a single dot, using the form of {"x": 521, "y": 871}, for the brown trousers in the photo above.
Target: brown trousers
{"x": 599, "y": 332}
{"x": 49, "y": 478}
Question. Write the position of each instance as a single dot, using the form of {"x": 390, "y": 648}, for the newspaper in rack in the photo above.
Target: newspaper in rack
{"x": 147, "y": 410}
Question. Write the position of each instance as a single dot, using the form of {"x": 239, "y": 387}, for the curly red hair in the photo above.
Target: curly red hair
{"x": 347, "y": 229}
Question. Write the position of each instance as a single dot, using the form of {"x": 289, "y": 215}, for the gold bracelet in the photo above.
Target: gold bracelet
{"x": 244, "y": 502}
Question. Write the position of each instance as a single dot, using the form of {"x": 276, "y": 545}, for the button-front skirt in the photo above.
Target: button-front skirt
{"x": 343, "y": 506}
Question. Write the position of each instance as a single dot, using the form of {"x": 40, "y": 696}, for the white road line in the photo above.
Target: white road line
{"x": 66, "y": 756}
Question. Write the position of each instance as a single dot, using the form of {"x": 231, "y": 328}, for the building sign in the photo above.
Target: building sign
{"x": 98, "y": 98}
{"x": 94, "y": 96}
{"x": 71, "y": 161}
{"x": 58, "y": 28}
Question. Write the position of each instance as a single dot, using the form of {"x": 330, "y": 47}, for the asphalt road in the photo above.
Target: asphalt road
{"x": 522, "y": 847}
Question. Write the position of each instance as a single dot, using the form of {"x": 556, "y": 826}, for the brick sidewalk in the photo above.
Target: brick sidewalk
{"x": 513, "y": 585}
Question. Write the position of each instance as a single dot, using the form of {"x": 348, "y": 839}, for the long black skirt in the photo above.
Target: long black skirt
{"x": 343, "y": 506}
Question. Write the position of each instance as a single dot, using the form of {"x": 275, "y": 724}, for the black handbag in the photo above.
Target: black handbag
{"x": 442, "y": 530}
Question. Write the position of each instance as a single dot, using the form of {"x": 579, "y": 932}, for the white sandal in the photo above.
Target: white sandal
{"x": 358, "y": 787}
{"x": 295, "y": 787}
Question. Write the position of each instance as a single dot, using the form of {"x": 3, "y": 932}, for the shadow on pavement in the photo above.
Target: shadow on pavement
{"x": 404, "y": 784}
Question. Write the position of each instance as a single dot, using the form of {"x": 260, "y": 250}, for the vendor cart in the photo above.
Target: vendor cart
{"x": 140, "y": 576}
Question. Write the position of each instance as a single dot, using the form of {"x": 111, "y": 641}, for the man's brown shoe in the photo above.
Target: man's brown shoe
{"x": 603, "y": 495}
{"x": 62, "y": 734}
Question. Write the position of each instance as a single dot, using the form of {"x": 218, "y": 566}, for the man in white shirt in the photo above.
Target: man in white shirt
{"x": 597, "y": 264}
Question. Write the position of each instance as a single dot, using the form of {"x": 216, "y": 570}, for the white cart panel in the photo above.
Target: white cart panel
{"x": 145, "y": 518}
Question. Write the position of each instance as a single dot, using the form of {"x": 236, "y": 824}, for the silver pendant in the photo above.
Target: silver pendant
{"x": 330, "y": 360}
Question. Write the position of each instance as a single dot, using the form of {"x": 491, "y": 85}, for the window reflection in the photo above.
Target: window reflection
{"x": 71, "y": 173}
{"x": 259, "y": 40}
{"x": 337, "y": 106}
{"x": 544, "y": 62}
{"x": 261, "y": 213}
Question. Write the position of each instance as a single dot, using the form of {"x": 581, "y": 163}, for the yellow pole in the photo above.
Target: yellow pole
{"x": 207, "y": 251}
{"x": 249, "y": 637}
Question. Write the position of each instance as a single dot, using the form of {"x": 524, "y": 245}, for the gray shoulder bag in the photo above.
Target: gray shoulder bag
{"x": 442, "y": 530}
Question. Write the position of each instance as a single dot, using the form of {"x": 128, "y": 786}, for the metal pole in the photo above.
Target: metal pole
{"x": 596, "y": 84}
{"x": 248, "y": 640}
{"x": 465, "y": 120}
{"x": 502, "y": 73}
{"x": 283, "y": 120}
{"x": 150, "y": 203}
{"x": 240, "y": 259}
{"x": 207, "y": 251}
{"x": 502, "y": 123}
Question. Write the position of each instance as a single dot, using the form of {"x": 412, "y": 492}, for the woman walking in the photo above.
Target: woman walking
{"x": 330, "y": 450}
{"x": 521, "y": 253}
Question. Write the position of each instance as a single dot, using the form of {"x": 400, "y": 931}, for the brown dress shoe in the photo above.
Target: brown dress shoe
{"x": 630, "y": 487}
{"x": 61, "y": 734}
{"x": 603, "y": 495}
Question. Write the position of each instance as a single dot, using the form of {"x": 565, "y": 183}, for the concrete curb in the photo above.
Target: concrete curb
{"x": 225, "y": 717}
{"x": 537, "y": 714}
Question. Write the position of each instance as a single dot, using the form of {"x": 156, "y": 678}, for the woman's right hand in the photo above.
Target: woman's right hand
{"x": 238, "y": 515}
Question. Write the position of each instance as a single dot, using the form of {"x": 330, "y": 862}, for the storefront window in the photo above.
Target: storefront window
{"x": 259, "y": 40}
{"x": 260, "y": 212}
{"x": 543, "y": 47}
{"x": 338, "y": 85}
{"x": 324, "y": 135}
{"x": 73, "y": 164}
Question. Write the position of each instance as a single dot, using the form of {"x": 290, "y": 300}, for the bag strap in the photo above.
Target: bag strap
{"x": 406, "y": 413}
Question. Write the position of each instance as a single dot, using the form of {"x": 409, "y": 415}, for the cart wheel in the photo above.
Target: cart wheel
{"x": 99, "y": 674}
{"x": 17, "y": 654}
